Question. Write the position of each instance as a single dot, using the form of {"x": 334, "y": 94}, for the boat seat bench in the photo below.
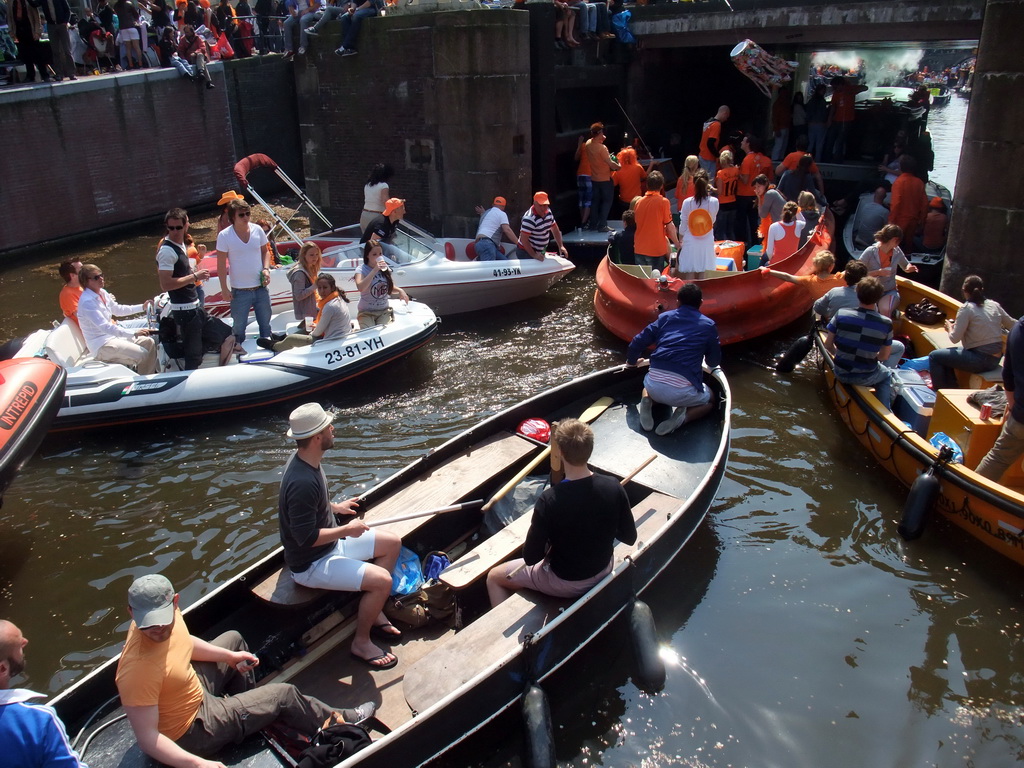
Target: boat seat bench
{"x": 509, "y": 541}
{"x": 448, "y": 484}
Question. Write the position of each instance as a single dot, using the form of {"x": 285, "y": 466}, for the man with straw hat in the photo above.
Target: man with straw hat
{"x": 325, "y": 553}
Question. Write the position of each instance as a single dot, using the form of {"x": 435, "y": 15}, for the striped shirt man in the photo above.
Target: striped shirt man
{"x": 538, "y": 227}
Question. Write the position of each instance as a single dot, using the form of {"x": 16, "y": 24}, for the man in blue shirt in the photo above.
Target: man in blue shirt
{"x": 683, "y": 339}
{"x": 31, "y": 735}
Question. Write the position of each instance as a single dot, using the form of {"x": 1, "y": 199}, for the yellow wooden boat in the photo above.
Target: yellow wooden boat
{"x": 992, "y": 512}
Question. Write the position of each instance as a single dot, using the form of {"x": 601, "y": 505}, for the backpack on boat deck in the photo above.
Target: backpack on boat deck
{"x": 925, "y": 312}
{"x": 333, "y": 744}
{"x": 434, "y": 600}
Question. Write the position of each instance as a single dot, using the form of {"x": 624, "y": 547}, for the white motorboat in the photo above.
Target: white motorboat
{"x": 106, "y": 394}
{"x": 443, "y": 273}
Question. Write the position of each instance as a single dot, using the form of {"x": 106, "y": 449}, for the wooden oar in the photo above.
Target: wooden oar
{"x": 426, "y": 513}
{"x": 623, "y": 481}
{"x": 589, "y": 415}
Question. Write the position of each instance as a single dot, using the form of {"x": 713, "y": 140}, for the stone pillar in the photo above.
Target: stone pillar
{"x": 986, "y": 233}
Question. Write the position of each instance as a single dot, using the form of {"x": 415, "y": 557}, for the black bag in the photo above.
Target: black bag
{"x": 925, "y": 312}
{"x": 333, "y": 744}
{"x": 215, "y": 331}
{"x": 994, "y": 396}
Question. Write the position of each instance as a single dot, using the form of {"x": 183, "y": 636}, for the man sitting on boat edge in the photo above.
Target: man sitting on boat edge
{"x": 106, "y": 339}
{"x": 323, "y": 554}
{"x": 171, "y": 685}
{"x": 569, "y": 547}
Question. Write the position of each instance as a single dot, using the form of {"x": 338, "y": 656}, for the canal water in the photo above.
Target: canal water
{"x": 801, "y": 630}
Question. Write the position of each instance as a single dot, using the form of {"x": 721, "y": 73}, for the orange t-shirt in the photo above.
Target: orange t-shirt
{"x": 69, "y": 297}
{"x": 652, "y": 213}
{"x": 909, "y": 206}
{"x": 753, "y": 165}
{"x": 599, "y": 160}
{"x": 712, "y": 130}
{"x": 727, "y": 181}
{"x": 934, "y": 236}
{"x": 161, "y": 675}
{"x": 583, "y": 169}
{"x": 792, "y": 161}
{"x": 628, "y": 179}
{"x": 818, "y": 288}
{"x": 682, "y": 194}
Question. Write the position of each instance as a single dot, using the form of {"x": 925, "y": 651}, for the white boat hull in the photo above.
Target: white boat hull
{"x": 105, "y": 394}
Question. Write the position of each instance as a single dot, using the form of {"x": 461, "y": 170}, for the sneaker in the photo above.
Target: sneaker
{"x": 265, "y": 343}
{"x": 672, "y": 423}
{"x": 302, "y": 51}
{"x": 312, "y": 32}
{"x": 359, "y": 714}
{"x": 646, "y": 414}
{"x": 340, "y": 52}
{"x": 288, "y": 54}
{"x": 278, "y": 336}
{"x": 210, "y": 86}
{"x": 349, "y": 52}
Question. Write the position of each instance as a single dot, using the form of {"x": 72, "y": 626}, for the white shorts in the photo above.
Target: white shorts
{"x": 343, "y": 567}
{"x": 128, "y": 33}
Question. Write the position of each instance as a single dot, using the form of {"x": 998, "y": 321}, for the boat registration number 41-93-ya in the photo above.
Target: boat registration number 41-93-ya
{"x": 352, "y": 351}
{"x": 507, "y": 271}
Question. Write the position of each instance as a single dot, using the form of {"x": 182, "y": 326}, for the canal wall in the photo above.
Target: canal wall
{"x": 124, "y": 149}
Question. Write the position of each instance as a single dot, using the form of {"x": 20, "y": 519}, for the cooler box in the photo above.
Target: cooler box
{"x": 906, "y": 378}
{"x": 724, "y": 264}
{"x": 753, "y": 257}
{"x": 914, "y": 405}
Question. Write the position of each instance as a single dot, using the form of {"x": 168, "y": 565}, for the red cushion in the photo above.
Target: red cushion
{"x": 449, "y": 251}
{"x": 471, "y": 251}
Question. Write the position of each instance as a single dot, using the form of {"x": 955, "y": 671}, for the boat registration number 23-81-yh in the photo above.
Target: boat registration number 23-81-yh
{"x": 507, "y": 272}
{"x": 352, "y": 351}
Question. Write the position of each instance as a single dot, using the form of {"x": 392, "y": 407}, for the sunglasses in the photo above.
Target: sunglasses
{"x": 97, "y": 277}
{"x": 242, "y": 213}
{"x": 175, "y": 229}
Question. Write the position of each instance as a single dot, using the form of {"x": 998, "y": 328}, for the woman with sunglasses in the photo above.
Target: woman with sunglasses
{"x": 244, "y": 251}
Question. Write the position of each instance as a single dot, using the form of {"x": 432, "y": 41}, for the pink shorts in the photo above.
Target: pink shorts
{"x": 539, "y": 577}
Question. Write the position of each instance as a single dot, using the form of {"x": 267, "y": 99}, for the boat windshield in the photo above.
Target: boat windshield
{"x": 411, "y": 243}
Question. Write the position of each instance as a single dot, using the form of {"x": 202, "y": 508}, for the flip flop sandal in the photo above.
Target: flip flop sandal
{"x": 370, "y": 662}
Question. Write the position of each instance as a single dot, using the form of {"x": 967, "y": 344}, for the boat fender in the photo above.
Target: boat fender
{"x": 540, "y": 739}
{"x": 650, "y": 668}
{"x": 920, "y": 502}
{"x": 796, "y": 352}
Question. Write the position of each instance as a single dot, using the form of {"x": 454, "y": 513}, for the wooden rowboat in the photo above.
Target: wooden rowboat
{"x": 991, "y": 512}
{"x": 449, "y": 684}
{"x": 743, "y": 305}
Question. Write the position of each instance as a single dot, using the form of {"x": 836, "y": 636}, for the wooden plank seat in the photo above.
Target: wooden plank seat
{"x": 509, "y": 541}
{"x": 448, "y": 484}
{"x": 459, "y": 659}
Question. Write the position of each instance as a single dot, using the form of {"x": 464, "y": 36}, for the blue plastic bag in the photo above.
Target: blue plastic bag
{"x": 940, "y": 439}
{"x": 620, "y": 26}
{"x": 408, "y": 575}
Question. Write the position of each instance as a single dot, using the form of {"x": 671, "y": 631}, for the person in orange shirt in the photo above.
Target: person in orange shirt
{"x": 601, "y": 167}
{"x": 72, "y": 291}
{"x": 909, "y": 204}
{"x": 653, "y": 216}
{"x": 726, "y": 183}
{"x": 684, "y": 185}
{"x": 631, "y": 178}
{"x": 584, "y": 189}
{"x": 817, "y": 284}
{"x": 755, "y": 163}
{"x": 841, "y": 115}
{"x": 710, "y": 139}
{"x": 791, "y": 161}
{"x": 933, "y": 237}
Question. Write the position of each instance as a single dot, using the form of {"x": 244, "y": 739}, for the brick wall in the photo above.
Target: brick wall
{"x": 442, "y": 97}
{"x": 114, "y": 150}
